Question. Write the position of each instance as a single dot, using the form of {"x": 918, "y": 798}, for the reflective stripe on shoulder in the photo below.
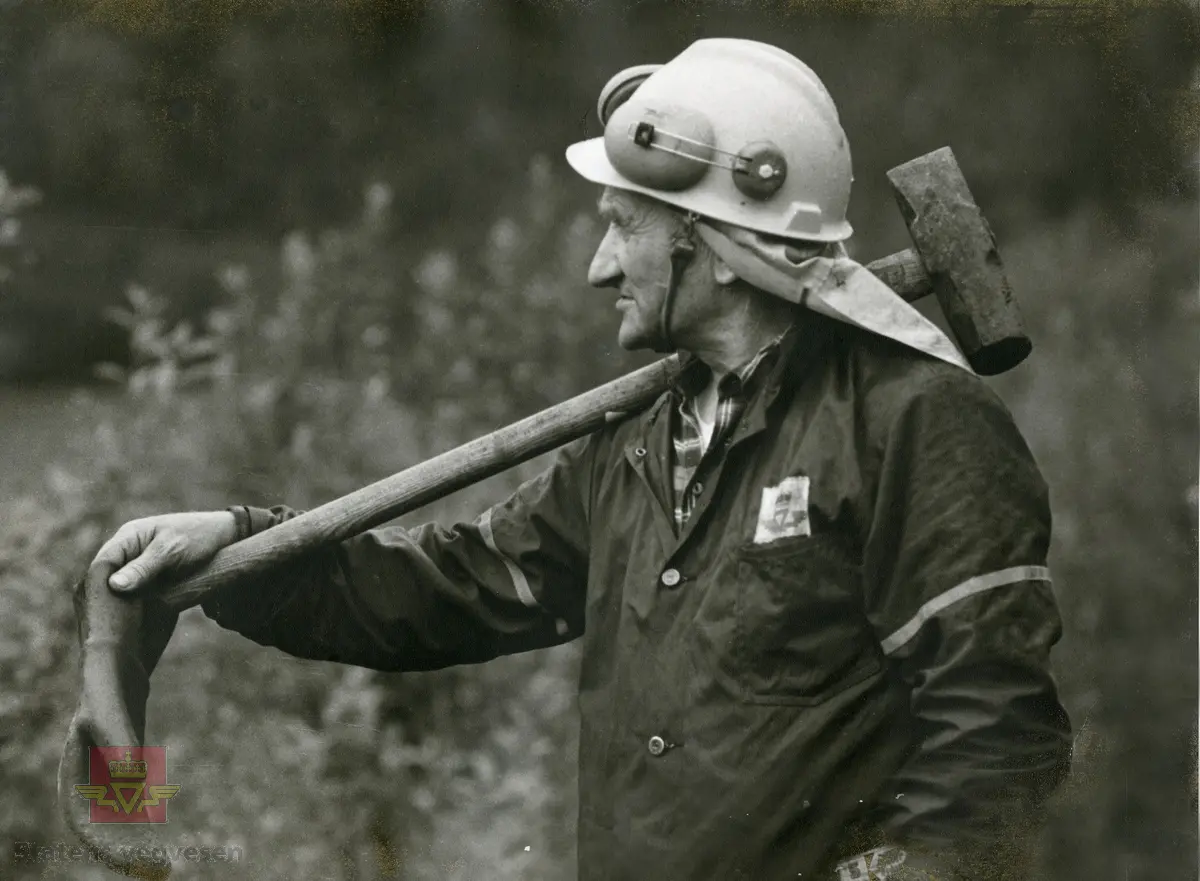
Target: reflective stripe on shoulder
{"x": 968, "y": 588}
{"x": 520, "y": 582}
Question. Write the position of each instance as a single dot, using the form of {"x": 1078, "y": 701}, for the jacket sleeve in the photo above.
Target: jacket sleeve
{"x": 958, "y": 591}
{"x": 396, "y": 599}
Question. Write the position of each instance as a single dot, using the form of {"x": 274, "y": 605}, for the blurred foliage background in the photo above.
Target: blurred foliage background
{"x": 271, "y": 251}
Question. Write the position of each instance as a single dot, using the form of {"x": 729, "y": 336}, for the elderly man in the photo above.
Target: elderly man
{"x": 810, "y": 580}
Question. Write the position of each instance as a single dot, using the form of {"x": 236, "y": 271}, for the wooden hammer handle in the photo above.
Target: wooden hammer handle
{"x": 408, "y": 490}
{"x": 432, "y": 479}
{"x": 904, "y": 273}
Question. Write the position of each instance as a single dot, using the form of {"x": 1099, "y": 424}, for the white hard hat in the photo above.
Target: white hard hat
{"x": 734, "y": 130}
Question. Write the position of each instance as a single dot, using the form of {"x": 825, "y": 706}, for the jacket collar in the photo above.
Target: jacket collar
{"x": 694, "y": 373}
{"x": 810, "y": 337}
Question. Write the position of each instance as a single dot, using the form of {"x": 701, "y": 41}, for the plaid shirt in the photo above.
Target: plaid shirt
{"x": 733, "y": 392}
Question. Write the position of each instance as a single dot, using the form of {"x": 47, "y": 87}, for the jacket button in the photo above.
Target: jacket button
{"x": 657, "y": 746}
{"x": 671, "y": 577}
{"x": 639, "y": 452}
{"x": 697, "y": 488}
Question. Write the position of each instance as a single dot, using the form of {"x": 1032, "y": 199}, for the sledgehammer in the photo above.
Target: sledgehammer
{"x": 954, "y": 257}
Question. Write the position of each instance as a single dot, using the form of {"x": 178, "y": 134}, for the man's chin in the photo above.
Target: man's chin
{"x": 632, "y": 336}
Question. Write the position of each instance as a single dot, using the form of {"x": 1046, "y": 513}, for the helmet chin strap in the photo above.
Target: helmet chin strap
{"x": 683, "y": 249}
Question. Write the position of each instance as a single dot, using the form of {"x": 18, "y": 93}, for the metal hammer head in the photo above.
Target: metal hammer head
{"x": 958, "y": 250}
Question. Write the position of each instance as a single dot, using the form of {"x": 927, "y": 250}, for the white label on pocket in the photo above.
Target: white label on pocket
{"x": 874, "y": 865}
{"x": 784, "y": 511}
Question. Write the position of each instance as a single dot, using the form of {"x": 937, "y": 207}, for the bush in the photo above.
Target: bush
{"x": 339, "y": 377}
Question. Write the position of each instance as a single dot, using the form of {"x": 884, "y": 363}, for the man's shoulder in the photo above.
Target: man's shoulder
{"x": 889, "y": 378}
{"x": 930, "y": 407}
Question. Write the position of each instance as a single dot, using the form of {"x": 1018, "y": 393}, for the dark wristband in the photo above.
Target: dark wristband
{"x": 241, "y": 521}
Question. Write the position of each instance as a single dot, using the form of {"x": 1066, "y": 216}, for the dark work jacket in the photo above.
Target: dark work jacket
{"x": 751, "y": 709}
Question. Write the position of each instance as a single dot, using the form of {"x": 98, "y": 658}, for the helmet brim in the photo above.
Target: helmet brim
{"x": 590, "y": 162}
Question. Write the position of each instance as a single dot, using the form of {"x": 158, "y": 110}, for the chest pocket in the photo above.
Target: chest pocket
{"x": 801, "y": 633}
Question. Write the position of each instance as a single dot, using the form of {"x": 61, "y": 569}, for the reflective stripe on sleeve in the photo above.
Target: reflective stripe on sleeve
{"x": 968, "y": 588}
{"x": 520, "y": 582}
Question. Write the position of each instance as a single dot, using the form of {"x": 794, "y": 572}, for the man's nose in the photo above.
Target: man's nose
{"x": 605, "y": 271}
